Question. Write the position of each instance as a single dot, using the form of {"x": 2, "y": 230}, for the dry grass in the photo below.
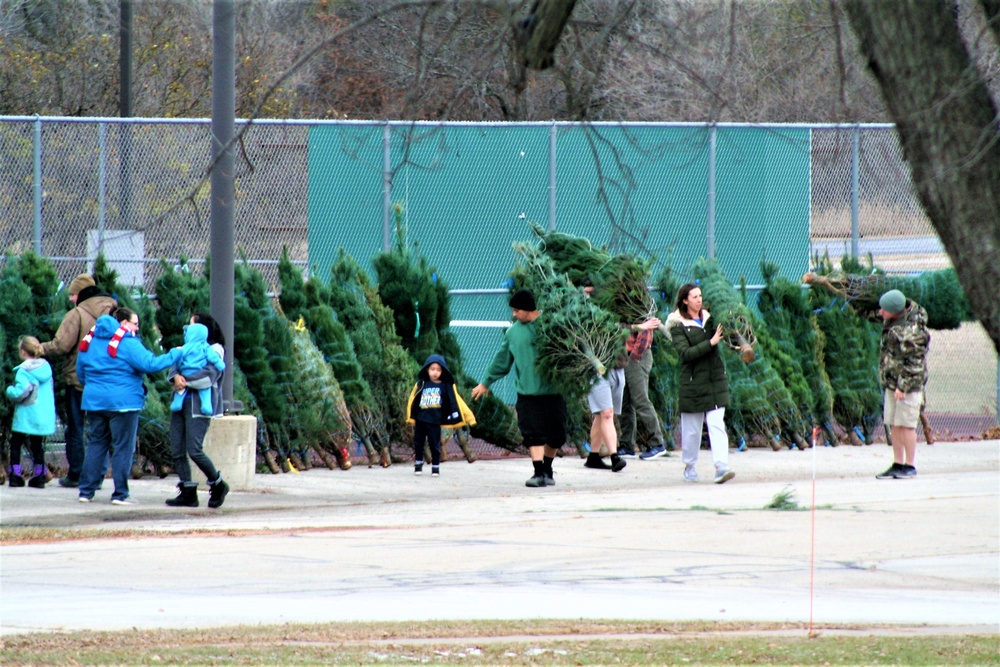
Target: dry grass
{"x": 527, "y": 642}
{"x": 873, "y": 220}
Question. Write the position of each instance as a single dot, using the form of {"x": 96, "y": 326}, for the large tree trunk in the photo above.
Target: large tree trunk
{"x": 537, "y": 36}
{"x": 947, "y": 125}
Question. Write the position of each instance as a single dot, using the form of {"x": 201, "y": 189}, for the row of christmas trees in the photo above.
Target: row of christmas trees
{"x": 329, "y": 363}
{"x": 326, "y": 365}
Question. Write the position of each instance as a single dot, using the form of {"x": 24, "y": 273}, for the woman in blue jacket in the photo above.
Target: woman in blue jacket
{"x": 110, "y": 364}
{"x": 34, "y": 411}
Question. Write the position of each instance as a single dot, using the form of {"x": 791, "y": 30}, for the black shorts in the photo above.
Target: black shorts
{"x": 542, "y": 420}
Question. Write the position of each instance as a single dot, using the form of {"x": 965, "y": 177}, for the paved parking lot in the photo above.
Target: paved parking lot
{"x": 382, "y": 544}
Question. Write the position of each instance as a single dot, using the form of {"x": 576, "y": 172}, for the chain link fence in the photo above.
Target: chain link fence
{"x": 138, "y": 191}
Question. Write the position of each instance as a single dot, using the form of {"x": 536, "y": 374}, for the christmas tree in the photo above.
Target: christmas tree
{"x": 784, "y": 306}
{"x": 850, "y": 355}
{"x": 758, "y": 394}
{"x": 406, "y": 286}
{"x": 305, "y": 303}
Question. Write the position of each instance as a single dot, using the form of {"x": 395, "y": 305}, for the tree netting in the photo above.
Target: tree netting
{"x": 620, "y": 281}
{"x": 576, "y": 340}
{"x": 762, "y": 405}
{"x": 789, "y": 317}
{"x": 321, "y": 416}
{"x": 851, "y": 356}
{"x": 938, "y": 292}
{"x": 664, "y": 377}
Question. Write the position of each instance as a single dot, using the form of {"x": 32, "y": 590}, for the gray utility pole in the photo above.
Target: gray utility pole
{"x": 125, "y": 109}
{"x": 223, "y": 237}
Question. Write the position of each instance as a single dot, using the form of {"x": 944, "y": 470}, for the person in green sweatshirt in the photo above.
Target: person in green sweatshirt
{"x": 541, "y": 411}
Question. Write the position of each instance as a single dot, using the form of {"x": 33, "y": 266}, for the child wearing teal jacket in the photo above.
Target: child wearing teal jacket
{"x": 34, "y": 411}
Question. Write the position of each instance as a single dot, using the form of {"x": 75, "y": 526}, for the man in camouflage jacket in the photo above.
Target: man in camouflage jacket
{"x": 903, "y": 373}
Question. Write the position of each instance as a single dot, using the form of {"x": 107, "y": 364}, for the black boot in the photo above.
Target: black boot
{"x": 187, "y": 495}
{"x": 594, "y": 461}
{"x": 217, "y": 492}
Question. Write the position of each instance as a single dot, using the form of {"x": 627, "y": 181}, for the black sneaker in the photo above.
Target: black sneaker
{"x": 435, "y": 471}
{"x": 535, "y": 481}
{"x": 15, "y": 480}
{"x": 595, "y": 461}
{"x": 617, "y": 465}
{"x": 418, "y": 468}
{"x": 906, "y": 471}
{"x": 38, "y": 481}
{"x": 69, "y": 482}
{"x": 550, "y": 479}
{"x": 890, "y": 473}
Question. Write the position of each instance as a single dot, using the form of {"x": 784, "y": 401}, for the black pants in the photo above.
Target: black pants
{"x": 431, "y": 433}
{"x": 34, "y": 442}
{"x": 187, "y": 434}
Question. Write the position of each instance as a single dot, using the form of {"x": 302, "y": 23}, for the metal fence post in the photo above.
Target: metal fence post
{"x": 102, "y": 182}
{"x": 855, "y": 177}
{"x": 37, "y": 175}
{"x": 552, "y": 176}
{"x": 710, "y": 223}
{"x": 386, "y": 186}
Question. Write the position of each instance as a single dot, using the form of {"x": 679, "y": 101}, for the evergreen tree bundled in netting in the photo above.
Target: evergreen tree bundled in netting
{"x": 664, "y": 380}
{"x": 576, "y": 340}
{"x": 399, "y": 368}
{"x": 305, "y": 304}
{"x": 758, "y": 394}
{"x": 153, "y": 438}
{"x": 31, "y": 303}
{"x": 850, "y": 354}
{"x": 621, "y": 282}
{"x": 277, "y": 341}
{"x": 937, "y": 292}
{"x": 321, "y": 416}
{"x": 785, "y": 307}
{"x": 347, "y": 298}
{"x": 406, "y": 286}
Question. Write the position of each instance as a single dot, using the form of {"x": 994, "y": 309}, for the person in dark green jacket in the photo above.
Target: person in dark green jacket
{"x": 541, "y": 410}
{"x": 704, "y": 389}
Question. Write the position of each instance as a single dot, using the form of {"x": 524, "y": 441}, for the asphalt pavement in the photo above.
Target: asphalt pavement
{"x": 373, "y": 544}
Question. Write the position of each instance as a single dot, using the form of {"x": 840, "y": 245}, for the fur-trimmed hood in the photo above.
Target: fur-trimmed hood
{"x": 675, "y": 319}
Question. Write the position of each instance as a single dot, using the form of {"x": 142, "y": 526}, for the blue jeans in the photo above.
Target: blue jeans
{"x": 111, "y": 433}
{"x": 74, "y": 432}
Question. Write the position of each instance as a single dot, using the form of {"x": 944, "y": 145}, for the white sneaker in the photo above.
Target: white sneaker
{"x": 723, "y": 474}
{"x": 123, "y": 501}
{"x": 690, "y": 474}
{"x": 84, "y": 499}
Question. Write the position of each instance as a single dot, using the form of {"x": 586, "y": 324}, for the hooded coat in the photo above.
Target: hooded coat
{"x": 74, "y": 327}
{"x": 115, "y": 382}
{"x": 703, "y": 384}
{"x": 34, "y": 398}
{"x": 454, "y": 410}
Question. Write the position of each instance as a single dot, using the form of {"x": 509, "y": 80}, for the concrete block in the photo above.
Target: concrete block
{"x": 231, "y": 443}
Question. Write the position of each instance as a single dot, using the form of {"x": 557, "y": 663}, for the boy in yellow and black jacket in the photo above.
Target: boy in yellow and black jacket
{"x": 434, "y": 402}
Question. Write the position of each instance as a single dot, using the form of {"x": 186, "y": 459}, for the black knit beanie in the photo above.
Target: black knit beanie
{"x": 522, "y": 300}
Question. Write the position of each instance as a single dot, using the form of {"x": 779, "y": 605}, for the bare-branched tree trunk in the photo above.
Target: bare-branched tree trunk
{"x": 947, "y": 125}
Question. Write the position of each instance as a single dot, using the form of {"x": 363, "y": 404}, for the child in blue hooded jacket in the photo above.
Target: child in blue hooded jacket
{"x": 196, "y": 353}
{"x": 34, "y": 411}
{"x": 434, "y": 402}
